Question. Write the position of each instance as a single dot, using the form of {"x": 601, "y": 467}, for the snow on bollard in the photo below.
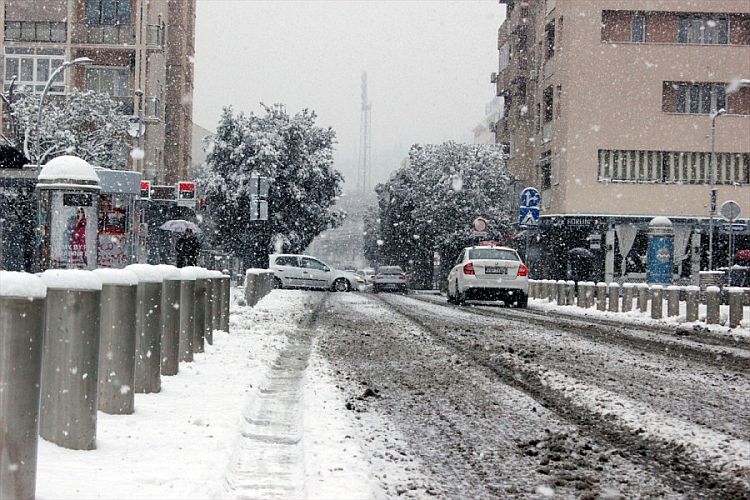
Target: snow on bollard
{"x": 691, "y": 306}
{"x": 601, "y": 296}
{"x": 673, "y": 301}
{"x": 713, "y": 304}
{"x": 170, "y": 319}
{"x": 657, "y": 301}
{"x": 70, "y": 367}
{"x": 226, "y": 285}
{"x": 117, "y": 331}
{"x": 643, "y": 294}
{"x": 735, "y": 306}
{"x": 148, "y": 328}
{"x": 22, "y": 305}
{"x": 614, "y": 297}
{"x": 187, "y": 313}
{"x": 627, "y": 297}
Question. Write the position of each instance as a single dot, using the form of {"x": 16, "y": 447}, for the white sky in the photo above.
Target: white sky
{"x": 428, "y": 66}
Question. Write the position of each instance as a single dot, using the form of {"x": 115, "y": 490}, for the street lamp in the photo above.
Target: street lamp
{"x": 712, "y": 202}
{"x": 60, "y": 69}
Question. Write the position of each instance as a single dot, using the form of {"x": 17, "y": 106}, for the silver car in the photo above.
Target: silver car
{"x": 390, "y": 278}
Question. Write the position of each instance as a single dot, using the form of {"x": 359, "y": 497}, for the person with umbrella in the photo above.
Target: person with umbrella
{"x": 187, "y": 249}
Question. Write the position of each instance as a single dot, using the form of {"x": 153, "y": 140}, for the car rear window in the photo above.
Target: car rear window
{"x": 390, "y": 270}
{"x": 492, "y": 253}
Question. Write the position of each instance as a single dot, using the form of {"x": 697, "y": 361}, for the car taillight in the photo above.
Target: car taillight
{"x": 402, "y": 277}
{"x": 469, "y": 268}
{"x": 523, "y": 270}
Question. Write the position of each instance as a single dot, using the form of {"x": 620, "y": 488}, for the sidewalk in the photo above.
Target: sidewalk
{"x": 197, "y": 437}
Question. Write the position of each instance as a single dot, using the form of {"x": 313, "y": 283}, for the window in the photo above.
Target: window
{"x": 638, "y": 28}
{"x": 545, "y": 168}
{"x": 703, "y": 30}
{"x": 504, "y": 57}
{"x": 548, "y": 100}
{"x": 549, "y": 37}
{"x": 492, "y": 253}
{"x": 108, "y": 12}
{"x": 33, "y": 67}
{"x": 287, "y": 261}
{"x": 699, "y": 98}
{"x": 112, "y": 80}
{"x": 309, "y": 263}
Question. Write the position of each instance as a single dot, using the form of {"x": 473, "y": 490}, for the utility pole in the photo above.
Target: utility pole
{"x": 364, "y": 160}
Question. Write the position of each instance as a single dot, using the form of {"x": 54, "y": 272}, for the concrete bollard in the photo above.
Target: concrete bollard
{"x": 117, "y": 333}
{"x": 199, "y": 330}
{"x": 582, "y": 294}
{"x": 551, "y": 290}
{"x": 252, "y": 279}
{"x": 691, "y": 303}
{"x": 657, "y": 302}
{"x": 627, "y": 297}
{"x": 170, "y": 319}
{"x": 713, "y": 305}
{"x": 216, "y": 289}
{"x": 570, "y": 289}
{"x": 209, "y": 316}
{"x": 560, "y": 295}
{"x": 187, "y": 313}
{"x": 70, "y": 366}
{"x": 601, "y": 296}
{"x": 225, "y": 301}
{"x": 673, "y": 301}
{"x": 532, "y": 289}
{"x": 614, "y": 297}
{"x": 148, "y": 328}
{"x": 735, "y": 306}
{"x": 643, "y": 295}
{"x": 22, "y": 305}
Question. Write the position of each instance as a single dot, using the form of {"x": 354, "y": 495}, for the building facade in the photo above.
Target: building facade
{"x": 142, "y": 56}
{"x": 608, "y": 111}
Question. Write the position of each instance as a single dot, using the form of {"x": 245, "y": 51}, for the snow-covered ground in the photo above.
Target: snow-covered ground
{"x": 203, "y": 435}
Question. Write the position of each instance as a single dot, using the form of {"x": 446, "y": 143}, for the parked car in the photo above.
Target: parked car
{"x": 304, "y": 271}
{"x": 489, "y": 273}
{"x": 390, "y": 278}
{"x": 367, "y": 274}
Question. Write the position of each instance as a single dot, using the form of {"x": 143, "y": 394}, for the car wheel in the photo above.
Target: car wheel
{"x": 451, "y": 298}
{"x": 341, "y": 285}
{"x": 522, "y": 301}
{"x": 460, "y": 296}
{"x": 376, "y": 288}
{"x": 277, "y": 284}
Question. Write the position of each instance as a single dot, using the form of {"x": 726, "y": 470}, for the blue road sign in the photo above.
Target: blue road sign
{"x": 529, "y": 212}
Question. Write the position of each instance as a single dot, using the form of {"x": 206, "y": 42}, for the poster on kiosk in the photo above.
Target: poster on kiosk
{"x": 73, "y": 231}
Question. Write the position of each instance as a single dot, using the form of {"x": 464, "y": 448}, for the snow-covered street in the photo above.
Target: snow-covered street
{"x": 353, "y": 395}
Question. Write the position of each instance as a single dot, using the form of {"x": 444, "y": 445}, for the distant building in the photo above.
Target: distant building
{"x": 484, "y": 133}
{"x": 143, "y": 45}
{"x": 608, "y": 112}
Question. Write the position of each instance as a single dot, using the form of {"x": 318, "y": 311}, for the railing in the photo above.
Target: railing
{"x": 36, "y": 31}
{"x": 118, "y": 34}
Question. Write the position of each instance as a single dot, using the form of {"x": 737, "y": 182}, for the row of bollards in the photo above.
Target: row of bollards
{"x": 614, "y": 297}
{"x": 73, "y": 342}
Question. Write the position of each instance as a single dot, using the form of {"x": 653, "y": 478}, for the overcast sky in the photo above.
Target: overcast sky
{"x": 428, "y": 65}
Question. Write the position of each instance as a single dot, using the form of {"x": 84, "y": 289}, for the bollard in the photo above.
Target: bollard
{"x": 601, "y": 296}
{"x": 251, "y": 287}
{"x": 532, "y": 289}
{"x": 657, "y": 302}
{"x": 614, "y": 297}
{"x": 187, "y": 313}
{"x": 22, "y": 304}
{"x": 673, "y": 301}
{"x": 225, "y": 301}
{"x": 199, "y": 313}
{"x": 148, "y": 328}
{"x": 570, "y": 288}
{"x": 691, "y": 305}
{"x": 69, "y": 386}
{"x": 627, "y": 297}
{"x": 560, "y": 294}
{"x": 208, "y": 329}
{"x": 713, "y": 305}
{"x": 588, "y": 294}
{"x": 170, "y": 319}
{"x": 117, "y": 332}
{"x": 643, "y": 297}
{"x": 735, "y": 306}
{"x": 216, "y": 300}
{"x": 582, "y": 291}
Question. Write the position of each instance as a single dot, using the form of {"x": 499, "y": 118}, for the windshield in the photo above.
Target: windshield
{"x": 492, "y": 253}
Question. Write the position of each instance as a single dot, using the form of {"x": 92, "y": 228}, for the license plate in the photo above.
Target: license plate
{"x": 495, "y": 270}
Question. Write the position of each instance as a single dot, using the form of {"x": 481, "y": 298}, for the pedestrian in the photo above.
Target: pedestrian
{"x": 187, "y": 249}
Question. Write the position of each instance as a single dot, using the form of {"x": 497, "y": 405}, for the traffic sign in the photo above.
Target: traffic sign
{"x": 480, "y": 226}
{"x": 528, "y": 211}
{"x": 730, "y": 210}
{"x": 530, "y": 197}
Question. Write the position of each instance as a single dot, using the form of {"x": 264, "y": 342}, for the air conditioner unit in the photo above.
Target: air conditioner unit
{"x": 533, "y": 75}
{"x": 493, "y": 77}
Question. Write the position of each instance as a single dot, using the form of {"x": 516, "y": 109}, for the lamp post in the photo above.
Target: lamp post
{"x": 60, "y": 69}
{"x": 712, "y": 201}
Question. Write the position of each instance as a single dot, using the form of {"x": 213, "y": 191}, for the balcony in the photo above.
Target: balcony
{"x": 99, "y": 34}
{"x": 36, "y": 31}
{"x": 155, "y": 36}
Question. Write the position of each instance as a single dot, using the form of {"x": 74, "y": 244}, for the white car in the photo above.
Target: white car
{"x": 390, "y": 278}
{"x": 303, "y": 271}
{"x": 489, "y": 273}
{"x": 368, "y": 274}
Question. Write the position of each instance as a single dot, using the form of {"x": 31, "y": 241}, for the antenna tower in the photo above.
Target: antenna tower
{"x": 364, "y": 161}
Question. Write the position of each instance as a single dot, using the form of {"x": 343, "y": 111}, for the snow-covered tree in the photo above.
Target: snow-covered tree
{"x": 297, "y": 156}
{"x": 84, "y": 123}
{"x": 428, "y": 205}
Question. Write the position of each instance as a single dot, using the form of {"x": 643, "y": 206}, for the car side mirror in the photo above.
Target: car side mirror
{"x": 327, "y": 270}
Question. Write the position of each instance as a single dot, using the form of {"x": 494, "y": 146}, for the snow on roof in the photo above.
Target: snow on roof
{"x": 22, "y": 285}
{"x": 169, "y": 272}
{"x": 72, "y": 279}
{"x": 116, "y": 276}
{"x": 68, "y": 168}
{"x": 146, "y": 273}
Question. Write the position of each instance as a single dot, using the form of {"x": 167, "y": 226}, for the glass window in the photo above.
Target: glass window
{"x": 33, "y": 67}
{"x": 638, "y": 33}
{"x": 681, "y": 98}
{"x": 11, "y": 68}
{"x": 112, "y": 80}
{"x": 390, "y": 270}
{"x": 109, "y": 12}
{"x": 287, "y": 261}
{"x": 493, "y": 253}
{"x": 694, "y": 98}
{"x": 703, "y": 30}
{"x": 309, "y": 263}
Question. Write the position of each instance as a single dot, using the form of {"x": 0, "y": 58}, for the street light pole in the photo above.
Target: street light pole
{"x": 712, "y": 201}
{"x": 60, "y": 69}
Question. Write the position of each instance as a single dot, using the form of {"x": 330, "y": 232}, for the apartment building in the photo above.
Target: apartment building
{"x": 608, "y": 111}
{"x": 141, "y": 52}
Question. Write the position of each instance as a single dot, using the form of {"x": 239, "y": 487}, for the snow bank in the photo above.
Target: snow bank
{"x": 69, "y": 168}
{"x": 146, "y": 273}
{"x": 21, "y": 285}
{"x": 169, "y": 272}
{"x": 73, "y": 279}
{"x": 116, "y": 276}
